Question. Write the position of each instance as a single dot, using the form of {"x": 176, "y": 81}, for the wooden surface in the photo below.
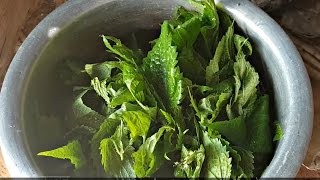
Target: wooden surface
{"x": 19, "y": 17}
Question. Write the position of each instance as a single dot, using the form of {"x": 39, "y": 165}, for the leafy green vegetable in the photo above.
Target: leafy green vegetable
{"x": 191, "y": 107}
{"x": 223, "y": 56}
{"x": 126, "y": 54}
{"x": 217, "y": 162}
{"x": 278, "y": 131}
{"x": 116, "y": 154}
{"x": 149, "y": 157}
{"x": 102, "y": 70}
{"x": 234, "y": 130}
{"x": 191, "y": 163}
{"x": 84, "y": 114}
{"x": 134, "y": 82}
{"x": 246, "y": 162}
{"x": 260, "y": 133}
{"x": 138, "y": 123}
{"x": 161, "y": 71}
{"x": 71, "y": 151}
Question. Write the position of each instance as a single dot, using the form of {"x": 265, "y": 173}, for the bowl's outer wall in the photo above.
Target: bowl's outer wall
{"x": 77, "y": 25}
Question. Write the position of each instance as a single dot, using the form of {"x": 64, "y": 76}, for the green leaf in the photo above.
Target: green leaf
{"x": 234, "y": 130}
{"x": 182, "y": 15}
{"x": 84, "y": 114}
{"x": 246, "y": 162}
{"x": 121, "y": 96}
{"x": 71, "y": 151}
{"x": 212, "y": 105}
{"x": 194, "y": 104}
{"x": 101, "y": 70}
{"x": 223, "y": 56}
{"x": 260, "y": 140}
{"x": 150, "y": 155}
{"x": 278, "y": 131}
{"x": 242, "y": 45}
{"x": 101, "y": 89}
{"x": 138, "y": 123}
{"x": 217, "y": 162}
{"x": 71, "y": 73}
{"x": 161, "y": 71}
{"x": 116, "y": 155}
{"x": 126, "y": 54}
{"x": 246, "y": 79}
{"x": 210, "y": 27}
{"x": 190, "y": 164}
{"x": 191, "y": 65}
{"x": 178, "y": 123}
{"x": 185, "y": 35}
{"x": 134, "y": 82}
{"x": 107, "y": 129}
{"x": 151, "y": 111}
{"x": 82, "y": 133}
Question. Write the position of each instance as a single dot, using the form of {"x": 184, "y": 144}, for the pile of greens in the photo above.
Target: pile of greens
{"x": 191, "y": 107}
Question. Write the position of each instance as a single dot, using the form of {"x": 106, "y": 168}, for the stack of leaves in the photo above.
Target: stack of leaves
{"x": 191, "y": 107}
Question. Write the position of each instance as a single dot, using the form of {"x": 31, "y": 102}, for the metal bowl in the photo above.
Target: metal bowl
{"x": 34, "y": 102}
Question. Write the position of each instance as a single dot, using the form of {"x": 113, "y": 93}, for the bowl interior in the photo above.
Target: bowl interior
{"x": 47, "y": 101}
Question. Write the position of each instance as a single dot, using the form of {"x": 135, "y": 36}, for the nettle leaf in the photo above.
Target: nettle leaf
{"x": 246, "y": 79}
{"x": 101, "y": 89}
{"x": 185, "y": 34}
{"x": 107, "y": 129}
{"x": 72, "y": 151}
{"x": 210, "y": 27}
{"x": 161, "y": 71}
{"x": 82, "y": 133}
{"x": 116, "y": 154}
{"x": 126, "y": 54}
{"x": 182, "y": 15}
{"x": 134, "y": 82}
{"x": 151, "y": 111}
{"x": 278, "y": 131}
{"x": 212, "y": 105}
{"x": 223, "y": 57}
{"x": 246, "y": 162}
{"x": 190, "y": 164}
{"x": 71, "y": 72}
{"x": 260, "y": 140}
{"x": 217, "y": 162}
{"x": 150, "y": 155}
{"x": 178, "y": 122}
{"x": 138, "y": 123}
{"x": 242, "y": 45}
{"x": 121, "y": 96}
{"x": 102, "y": 71}
{"x": 191, "y": 65}
{"x": 234, "y": 130}
{"x": 84, "y": 114}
